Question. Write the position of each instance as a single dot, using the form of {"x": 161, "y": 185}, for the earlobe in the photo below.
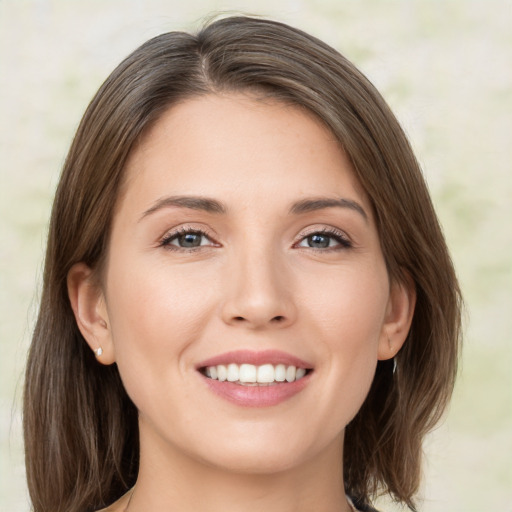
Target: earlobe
{"x": 399, "y": 314}
{"x": 88, "y": 304}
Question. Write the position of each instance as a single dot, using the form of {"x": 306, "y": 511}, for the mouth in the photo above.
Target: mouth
{"x": 251, "y": 375}
{"x": 256, "y": 379}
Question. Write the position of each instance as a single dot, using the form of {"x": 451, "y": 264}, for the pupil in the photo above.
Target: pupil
{"x": 190, "y": 240}
{"x": 319, "y": 241}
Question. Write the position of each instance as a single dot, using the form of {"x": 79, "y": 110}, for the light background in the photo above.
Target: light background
{"x": 446, "y": 69}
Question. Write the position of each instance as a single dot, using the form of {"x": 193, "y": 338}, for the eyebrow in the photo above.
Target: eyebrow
{"x": 204, "y": 204}
{"x": 210, "y": 205}
{"x": 321, "y": 203}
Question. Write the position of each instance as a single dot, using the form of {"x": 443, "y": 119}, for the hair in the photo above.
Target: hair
{"x": 80, "y": 427}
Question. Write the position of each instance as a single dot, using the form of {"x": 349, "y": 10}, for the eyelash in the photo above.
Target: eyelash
{"x": 339, "y": 236}
{"x": 167, "y": 240}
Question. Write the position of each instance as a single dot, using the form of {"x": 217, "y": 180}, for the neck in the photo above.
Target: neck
{"x": 172, "y": 481}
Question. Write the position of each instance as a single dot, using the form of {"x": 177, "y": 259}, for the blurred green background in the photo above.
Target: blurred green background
{"x": 445, "y": 67}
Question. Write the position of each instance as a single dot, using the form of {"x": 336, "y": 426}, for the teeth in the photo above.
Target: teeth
{"x": 266, "y": 373}
{"x": 298, "y": 374}
{"x": 251, "y": 374}
{"x": 280, "y": 373}
{"x": 291, "y": 372}
{"x": 247, "y": 373}
{"x": 222, "y": 372}
{"x": 233, "y": 372}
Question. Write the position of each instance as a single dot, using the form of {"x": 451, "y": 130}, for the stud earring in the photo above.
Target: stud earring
{"x": 98, "y": 351}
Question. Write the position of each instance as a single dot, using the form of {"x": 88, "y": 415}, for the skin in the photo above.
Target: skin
{"x": 254, "y": 283}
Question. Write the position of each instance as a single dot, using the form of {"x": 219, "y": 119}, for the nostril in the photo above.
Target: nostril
{"x": 278, "y": 319}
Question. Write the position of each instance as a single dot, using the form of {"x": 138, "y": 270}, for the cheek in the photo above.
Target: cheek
{"x": 347, "y": 312}
{"x": 154, "y": 298}
{"x": 348, "y": 303}
{"x": 154, "y": 315}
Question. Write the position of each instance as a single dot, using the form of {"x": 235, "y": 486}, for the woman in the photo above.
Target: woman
{"x": 248, "y": 302}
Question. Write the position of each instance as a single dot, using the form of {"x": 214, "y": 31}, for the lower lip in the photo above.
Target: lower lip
{"x": 256, "y": 396}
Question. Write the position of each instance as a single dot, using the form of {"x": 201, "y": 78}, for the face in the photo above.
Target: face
{"x": 245, "y": 297}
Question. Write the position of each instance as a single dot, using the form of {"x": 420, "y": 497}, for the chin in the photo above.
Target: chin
{"x": 268, "y": 462}
{"x": 262, "y": 452}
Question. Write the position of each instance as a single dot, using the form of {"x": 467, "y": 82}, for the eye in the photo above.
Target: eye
{"x": 186, "y": 238}
{"x": 326, "y": 239}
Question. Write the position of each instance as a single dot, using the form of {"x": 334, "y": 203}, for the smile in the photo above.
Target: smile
{"x": 252, "y": 375}
{"x": 256, "y": 379}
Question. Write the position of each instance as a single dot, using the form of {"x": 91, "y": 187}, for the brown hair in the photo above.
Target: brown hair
{"x": 81, "y": 431}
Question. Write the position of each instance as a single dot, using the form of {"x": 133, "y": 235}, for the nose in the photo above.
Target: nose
{"x": 259, "y": 292}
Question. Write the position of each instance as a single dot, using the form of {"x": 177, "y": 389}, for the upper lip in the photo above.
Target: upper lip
{"x": 256, "y": 358}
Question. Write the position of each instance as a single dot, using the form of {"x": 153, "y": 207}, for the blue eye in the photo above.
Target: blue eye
{"x": 186, "y": 239}
{"x": 325, "y": 240}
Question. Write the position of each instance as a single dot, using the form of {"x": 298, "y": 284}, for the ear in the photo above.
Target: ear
{"x": 88, "y": 304}
{"x": 399, "y": 313}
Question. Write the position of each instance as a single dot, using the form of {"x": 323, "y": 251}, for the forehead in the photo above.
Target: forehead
{"x": 213, "y": 144}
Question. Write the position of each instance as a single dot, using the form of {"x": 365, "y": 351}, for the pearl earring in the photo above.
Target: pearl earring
{"x": 98, "y": 351}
